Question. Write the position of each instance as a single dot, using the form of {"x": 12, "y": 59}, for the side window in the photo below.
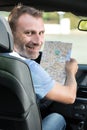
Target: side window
{"x": 63, "y": 26}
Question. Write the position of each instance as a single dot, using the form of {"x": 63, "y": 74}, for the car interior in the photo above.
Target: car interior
{"x": 16, "y": 90}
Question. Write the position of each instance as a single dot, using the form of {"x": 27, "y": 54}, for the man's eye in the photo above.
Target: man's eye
{"x": 28, "y": 33}
{"x": 41, "y": 33}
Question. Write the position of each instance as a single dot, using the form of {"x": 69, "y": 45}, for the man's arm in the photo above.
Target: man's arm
{"x": 66, "y": 93}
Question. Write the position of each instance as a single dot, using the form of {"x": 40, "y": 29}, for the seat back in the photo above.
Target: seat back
{"x": 18, "y": 106}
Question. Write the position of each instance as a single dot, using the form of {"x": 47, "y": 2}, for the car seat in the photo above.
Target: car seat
{"x": 18, "y": 106}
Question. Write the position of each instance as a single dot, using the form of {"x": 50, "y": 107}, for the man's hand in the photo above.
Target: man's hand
{"x": 71, "y": 67}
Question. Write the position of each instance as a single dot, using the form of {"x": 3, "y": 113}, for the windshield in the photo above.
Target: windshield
{"x": 65, "y": 29}
{"x": 63, "y": 26}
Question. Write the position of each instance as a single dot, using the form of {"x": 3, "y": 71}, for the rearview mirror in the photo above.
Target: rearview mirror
{"x": 82, "y": 26}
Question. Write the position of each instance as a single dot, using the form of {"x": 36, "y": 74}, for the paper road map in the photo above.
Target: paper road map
{"x": 54, "y": 57}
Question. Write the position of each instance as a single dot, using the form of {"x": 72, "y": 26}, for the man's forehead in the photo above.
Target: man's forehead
{"x": 30, "y": 23}
{"x": 27, "y": 17}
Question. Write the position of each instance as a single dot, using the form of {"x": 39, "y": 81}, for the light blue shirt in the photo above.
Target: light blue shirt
{"x": 42, "y": 82}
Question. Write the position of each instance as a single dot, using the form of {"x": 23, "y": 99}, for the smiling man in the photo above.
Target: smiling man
{"x": 28, "y": 30}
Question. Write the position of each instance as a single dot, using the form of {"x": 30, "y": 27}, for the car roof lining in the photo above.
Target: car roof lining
{"x": 74, "y": 6}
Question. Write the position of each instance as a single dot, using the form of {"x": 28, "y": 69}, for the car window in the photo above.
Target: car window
{"x": 64, "y": 27}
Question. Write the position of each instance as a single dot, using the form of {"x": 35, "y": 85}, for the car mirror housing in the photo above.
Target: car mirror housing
{"x": 82, "y": 26}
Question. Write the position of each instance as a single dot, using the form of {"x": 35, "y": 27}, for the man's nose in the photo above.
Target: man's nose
{"x": 37, "y": 39}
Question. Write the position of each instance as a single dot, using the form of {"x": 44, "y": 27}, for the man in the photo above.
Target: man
{"x": 28, "y": 30}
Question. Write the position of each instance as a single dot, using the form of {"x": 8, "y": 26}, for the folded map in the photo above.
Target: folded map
{"x": 54, "y": 56}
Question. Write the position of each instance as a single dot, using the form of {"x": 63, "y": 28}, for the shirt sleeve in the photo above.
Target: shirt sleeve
{"x": 42, "y": 82}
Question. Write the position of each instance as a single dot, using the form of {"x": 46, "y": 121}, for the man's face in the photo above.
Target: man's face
{"x": 29, "y": 36}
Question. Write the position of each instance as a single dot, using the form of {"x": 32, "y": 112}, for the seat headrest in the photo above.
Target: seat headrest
{"x": 6, "y": 37}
